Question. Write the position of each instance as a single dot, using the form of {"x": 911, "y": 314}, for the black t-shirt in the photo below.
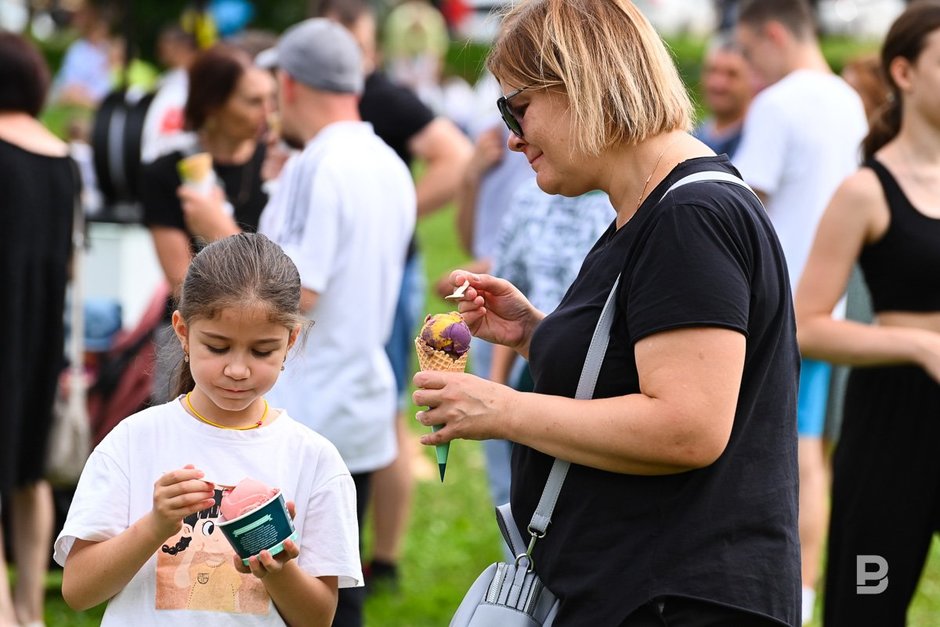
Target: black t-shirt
{"x": 242, "y": 184}
{"x": 706, "y": 256}
{"x": 395, "y": 113}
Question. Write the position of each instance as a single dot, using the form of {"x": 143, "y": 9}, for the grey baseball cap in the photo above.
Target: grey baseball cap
{"x": 321, "y": 54}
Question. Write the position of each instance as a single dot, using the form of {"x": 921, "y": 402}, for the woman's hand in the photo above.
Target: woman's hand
{"x": 205, "y": 214}
{"x": 496, "y": 311}
{"x": 927, "y": 352}
{"x": 488, "y": 151}
{"x": 468, "y": 407}
{"x": 275, "y": 157}
{"x": 178, "y": 494}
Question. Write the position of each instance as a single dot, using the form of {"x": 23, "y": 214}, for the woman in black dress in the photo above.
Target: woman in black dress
{"x": 37, "y": 191}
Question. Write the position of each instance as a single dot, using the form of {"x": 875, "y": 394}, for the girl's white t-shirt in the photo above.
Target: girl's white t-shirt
{"x": 191, "y": 580}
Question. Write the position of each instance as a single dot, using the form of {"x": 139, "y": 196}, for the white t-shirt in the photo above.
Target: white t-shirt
{"x": 116, "y": 489}
{"x": 802, "y": 137}
{"x": 345, "y": 211}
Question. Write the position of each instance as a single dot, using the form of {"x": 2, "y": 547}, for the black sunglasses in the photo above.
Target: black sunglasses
{"x": 508, "y": 115}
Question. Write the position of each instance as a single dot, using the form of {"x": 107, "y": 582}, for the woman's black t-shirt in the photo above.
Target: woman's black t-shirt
{"x": 706, "y": 256}
{"x": 241, "y": 183}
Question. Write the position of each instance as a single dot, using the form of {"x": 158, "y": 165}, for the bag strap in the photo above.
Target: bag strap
{"x": 542, "y": 517}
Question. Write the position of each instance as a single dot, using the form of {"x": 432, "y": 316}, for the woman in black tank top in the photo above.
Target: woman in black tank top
{"x": 886, "y": 217}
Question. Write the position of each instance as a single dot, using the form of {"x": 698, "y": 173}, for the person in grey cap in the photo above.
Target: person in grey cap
{"x": 344, "y": 211}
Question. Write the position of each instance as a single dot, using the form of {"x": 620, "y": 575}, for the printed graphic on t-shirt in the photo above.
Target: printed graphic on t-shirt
{"x": 195, "y": 571}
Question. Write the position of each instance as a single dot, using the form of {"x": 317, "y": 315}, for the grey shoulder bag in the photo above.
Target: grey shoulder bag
{"x": 512, "y": 594}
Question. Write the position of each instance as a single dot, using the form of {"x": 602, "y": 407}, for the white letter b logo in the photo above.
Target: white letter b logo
{"x": 863, "y": 575}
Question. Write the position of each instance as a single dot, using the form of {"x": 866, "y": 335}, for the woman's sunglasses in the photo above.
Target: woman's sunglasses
{"x": 508, "y": 115}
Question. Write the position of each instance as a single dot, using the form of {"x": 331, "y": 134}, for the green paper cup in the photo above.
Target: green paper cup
{"x": 266, "y": 527}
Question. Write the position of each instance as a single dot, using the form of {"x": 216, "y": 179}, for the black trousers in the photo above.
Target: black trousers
{"x": 682, "y": 612}
{"x": 352, "y": 600}
{"x": 885, "y": 496}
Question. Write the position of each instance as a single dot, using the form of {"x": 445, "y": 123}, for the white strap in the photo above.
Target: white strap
{"x": 76, "y": 352}
{"x": 709, "y": 176}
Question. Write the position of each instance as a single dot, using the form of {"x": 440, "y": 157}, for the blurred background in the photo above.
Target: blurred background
{"x": 452, "y": 534}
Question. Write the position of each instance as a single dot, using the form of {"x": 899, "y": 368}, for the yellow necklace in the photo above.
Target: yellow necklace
{"x": 215, "y": 424}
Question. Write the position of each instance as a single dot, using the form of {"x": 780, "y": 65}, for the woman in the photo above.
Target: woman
{"x": 886, "y": 216}
{"x": 227, "y": 108}
{"x": 680, "y": 503}
{"x": 37, "y": 199}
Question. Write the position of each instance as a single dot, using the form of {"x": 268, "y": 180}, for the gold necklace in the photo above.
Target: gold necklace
{"x": 215, "y": 424}
{"x": 649, "y": 178}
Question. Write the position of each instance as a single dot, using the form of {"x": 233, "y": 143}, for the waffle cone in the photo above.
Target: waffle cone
{"x": 439, "y": 361}
{"x": 195, "y": 168}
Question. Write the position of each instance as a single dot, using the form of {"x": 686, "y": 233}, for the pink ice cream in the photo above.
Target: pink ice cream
{"x": 249, "y": 494}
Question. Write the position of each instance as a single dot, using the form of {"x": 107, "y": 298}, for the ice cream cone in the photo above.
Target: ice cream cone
{"x": 196, "y": 171}
{"x": 439, "y": 361}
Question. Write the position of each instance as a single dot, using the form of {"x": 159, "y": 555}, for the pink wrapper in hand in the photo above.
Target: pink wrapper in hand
{"x": 249, "y": 494}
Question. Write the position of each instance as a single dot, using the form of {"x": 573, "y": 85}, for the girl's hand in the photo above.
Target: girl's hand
{"x": 264, "y": 564}
{"x": 496, "y": 311}
{"x": 178, "y": 494}
{"x": 468, "y": 407}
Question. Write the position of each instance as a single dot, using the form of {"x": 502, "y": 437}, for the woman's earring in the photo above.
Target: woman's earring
{"x": 186, "y": 357}
{"x": 283, "y": 367}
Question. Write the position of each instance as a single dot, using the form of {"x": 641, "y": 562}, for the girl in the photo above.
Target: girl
{"x": 680, "y": 504}
{"x": 886, "y": 217}
{"x": 145, "y": 538}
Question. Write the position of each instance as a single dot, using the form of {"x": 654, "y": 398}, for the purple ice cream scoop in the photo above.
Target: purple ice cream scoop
{"x": 447, "y": 332}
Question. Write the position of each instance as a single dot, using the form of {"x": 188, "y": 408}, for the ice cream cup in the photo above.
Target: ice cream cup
{"x": 264, "y": 528}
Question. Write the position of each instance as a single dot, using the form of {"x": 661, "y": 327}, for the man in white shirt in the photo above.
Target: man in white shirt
{"x": 344, "y": 211}
{"x": 801, "y": 139}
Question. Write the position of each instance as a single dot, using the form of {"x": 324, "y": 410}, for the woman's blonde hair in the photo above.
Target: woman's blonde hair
{"x": 621, "y": 82}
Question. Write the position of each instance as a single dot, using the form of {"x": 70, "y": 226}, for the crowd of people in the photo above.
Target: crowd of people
{"x": 724, "y": 246}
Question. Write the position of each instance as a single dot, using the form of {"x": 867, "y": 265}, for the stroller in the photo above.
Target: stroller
{"x": 122, "y": 382}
